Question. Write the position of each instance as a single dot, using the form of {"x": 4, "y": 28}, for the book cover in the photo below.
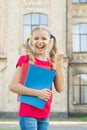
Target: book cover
{"x": 37, "y": 78}
{"x": 25, "y": 67}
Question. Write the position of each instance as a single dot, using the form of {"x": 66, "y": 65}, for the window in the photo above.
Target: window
{"x": 33, "y": 20}
{"x": 80, "y": 89}
{"x": 79, "y": 1}
{"x": 80, "y": 38}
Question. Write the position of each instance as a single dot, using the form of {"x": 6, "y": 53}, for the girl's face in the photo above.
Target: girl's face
{"x": 40, "y": 41}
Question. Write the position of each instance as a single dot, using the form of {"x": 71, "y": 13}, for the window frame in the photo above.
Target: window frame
{"x": 80, "y": 90}
{"x": 80, "y": 35}
{"x": 79, "y": 1}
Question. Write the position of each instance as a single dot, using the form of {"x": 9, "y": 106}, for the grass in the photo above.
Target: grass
{"x": 74, "y": 119}
{"x": 83, "y": 118}
{"x": 53, "y": 119}
{"x": 8, "y": 129}
{"x": 8, "y": 119}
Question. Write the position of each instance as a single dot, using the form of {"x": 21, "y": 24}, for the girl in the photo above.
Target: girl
{"x": 39, "y": 45}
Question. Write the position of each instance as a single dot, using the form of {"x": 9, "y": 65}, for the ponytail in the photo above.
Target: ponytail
{"x": 52, "y": 53}
{"x": 29, "y": 51}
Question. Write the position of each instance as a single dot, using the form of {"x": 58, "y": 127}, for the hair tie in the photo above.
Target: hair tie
{"x": 30, "y": 37}
{"x": 51, "y": 36}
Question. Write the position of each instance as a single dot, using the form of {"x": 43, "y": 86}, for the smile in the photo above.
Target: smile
{"x": 40, "y": 47}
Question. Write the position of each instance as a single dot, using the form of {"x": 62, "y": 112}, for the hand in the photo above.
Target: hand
{"x": 58, "y": 59}
{"x": 59, "y": 55}
{"x": 45, "y": 94}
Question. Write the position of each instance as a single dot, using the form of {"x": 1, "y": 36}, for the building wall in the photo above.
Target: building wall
{"x": 78, "y": 61}
{"x": 11, "y": 47}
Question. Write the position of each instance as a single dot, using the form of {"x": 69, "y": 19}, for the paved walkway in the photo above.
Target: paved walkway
{"x": 54, "y": 125}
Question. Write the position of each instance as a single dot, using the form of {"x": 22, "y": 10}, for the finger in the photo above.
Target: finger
{"x": 47, "y": 99}
{"x": 49, "y": 90}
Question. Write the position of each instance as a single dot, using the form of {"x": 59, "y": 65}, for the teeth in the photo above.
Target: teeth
{"x": 40, "y": 47}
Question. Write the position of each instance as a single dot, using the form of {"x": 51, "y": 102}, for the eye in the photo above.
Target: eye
{"x": 36, "y": 38}
{"x": 44, "y": 38}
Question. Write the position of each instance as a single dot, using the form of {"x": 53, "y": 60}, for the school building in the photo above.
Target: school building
{"x": 67, "y": 21}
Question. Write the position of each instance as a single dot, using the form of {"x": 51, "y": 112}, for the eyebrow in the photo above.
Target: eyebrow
{"x": 41, "y": 37}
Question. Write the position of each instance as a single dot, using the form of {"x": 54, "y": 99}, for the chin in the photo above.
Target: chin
{"x": 40, "y": 52}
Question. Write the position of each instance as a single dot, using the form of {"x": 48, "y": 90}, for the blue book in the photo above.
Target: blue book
{"x": 37, "y": 78}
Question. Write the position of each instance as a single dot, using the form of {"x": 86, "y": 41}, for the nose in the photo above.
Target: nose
{"x": 40, "y": 41}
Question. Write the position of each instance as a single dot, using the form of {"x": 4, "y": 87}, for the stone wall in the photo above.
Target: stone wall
{"x": 78, "y": 61}
{"x": 11, "y": 39}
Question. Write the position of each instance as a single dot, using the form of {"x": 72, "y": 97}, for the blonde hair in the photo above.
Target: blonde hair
{"x": 30, "y": 53}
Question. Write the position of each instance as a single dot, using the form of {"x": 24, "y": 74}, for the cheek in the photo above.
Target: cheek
{"x": 33, "y": 44}
{"x": 47, "y": 43}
